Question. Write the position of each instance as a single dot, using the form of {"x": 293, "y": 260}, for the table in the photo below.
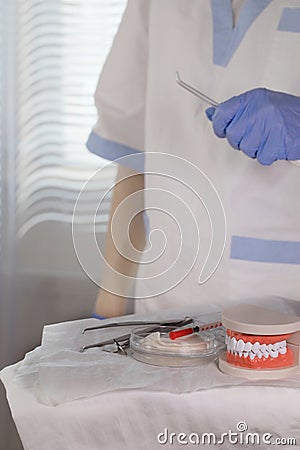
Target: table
{"x": 142, "y": 417}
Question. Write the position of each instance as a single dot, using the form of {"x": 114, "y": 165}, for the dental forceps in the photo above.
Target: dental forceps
{"x": 123, "y": 341}
{"x": 194, "y": 91}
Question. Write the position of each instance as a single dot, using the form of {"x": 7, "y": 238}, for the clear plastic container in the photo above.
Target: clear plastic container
{"x": 156, "y": 348}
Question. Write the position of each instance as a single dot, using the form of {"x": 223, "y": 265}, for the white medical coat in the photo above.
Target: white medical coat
{"x": 142, "y": 109}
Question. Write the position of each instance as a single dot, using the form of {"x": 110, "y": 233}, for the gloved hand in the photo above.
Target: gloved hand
{"x": 263, "y": 124}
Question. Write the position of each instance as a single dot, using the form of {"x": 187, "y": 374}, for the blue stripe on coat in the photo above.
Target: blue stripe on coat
{"x": 290, "y": 20}
{"x": 113, "y": 151}
{"x": 265, "y": 250}
{"x": 226, "y": 37}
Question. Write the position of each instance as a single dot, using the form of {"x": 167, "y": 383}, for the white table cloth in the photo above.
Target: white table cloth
{"x": 61, "y": 399}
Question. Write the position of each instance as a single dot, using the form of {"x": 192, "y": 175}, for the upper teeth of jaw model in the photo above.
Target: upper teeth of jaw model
{"x": 261, "y": 343}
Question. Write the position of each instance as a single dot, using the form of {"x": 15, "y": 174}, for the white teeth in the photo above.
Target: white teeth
{"x": 255, "y": 347}
{"x": 248, "y": 347}
{"x": 266, "y": 354}
{"x": 270, "y": 347}
{"x": 263, "y": 348}
{"x": 282, "y": 344}
{"x": 232, "y": 344}
{"x": 273, "y": 353}
{"x": 245, "y": 349}
{"x": 252, "y": 356}
{"x": 259, "y": 354}
{"x": 240, "y": 345}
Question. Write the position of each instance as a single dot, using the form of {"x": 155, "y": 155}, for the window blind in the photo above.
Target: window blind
{"x": 61, "y": 46}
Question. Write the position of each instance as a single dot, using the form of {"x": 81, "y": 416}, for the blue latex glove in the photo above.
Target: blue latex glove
{"x": 263, "y": 124}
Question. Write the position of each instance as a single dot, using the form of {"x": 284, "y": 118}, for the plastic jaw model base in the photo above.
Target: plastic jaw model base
{"x": 261, "y": 343}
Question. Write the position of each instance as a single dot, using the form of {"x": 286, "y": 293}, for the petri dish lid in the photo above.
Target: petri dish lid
{"x": 155, "y": 347}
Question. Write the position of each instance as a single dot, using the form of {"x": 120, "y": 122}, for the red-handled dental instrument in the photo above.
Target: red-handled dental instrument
{"x": 186, "y": 331}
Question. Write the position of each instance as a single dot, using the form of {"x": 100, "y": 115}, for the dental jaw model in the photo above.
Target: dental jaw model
{"x": 261, "y": 343}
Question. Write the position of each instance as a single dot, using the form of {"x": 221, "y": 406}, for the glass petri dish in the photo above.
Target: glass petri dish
{"x": 156, "y": 348}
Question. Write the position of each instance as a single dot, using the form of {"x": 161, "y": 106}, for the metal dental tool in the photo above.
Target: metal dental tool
{"x": 208, "y": 100}
{"x": 122, "y": 342}
{"x": 175, "y": 322}
{"x": 194, "y": 91}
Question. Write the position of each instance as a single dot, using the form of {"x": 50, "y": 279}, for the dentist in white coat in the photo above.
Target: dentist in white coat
{"x": 245, "y": 55}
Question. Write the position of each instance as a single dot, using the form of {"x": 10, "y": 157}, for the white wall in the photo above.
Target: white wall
{"x": 47, "y": 287}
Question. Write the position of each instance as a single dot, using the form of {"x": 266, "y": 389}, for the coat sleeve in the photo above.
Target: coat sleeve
{"x": 121, "y": 91}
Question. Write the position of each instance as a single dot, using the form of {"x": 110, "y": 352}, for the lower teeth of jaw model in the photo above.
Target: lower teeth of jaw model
{"x": 261, "y": 343}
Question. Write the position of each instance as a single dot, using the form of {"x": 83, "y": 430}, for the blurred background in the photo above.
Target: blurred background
{"x": 52, "y": 52}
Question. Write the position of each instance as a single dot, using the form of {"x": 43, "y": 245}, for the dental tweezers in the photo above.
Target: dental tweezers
{"x": 120, "y": 341}
{"x": 175, "y": 322}
{"x": 123, "y": 341}
{"x": 194, "y": 91}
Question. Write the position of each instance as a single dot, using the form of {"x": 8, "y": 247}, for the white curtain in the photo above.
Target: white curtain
{"x": 1, "y": 126}
{"x": 61, "y": 47}
{"x": 52, "y": 52}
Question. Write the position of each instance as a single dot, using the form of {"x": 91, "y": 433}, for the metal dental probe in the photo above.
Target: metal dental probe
{"x": 194, "y": 91}
{"x": 209, "y": 101}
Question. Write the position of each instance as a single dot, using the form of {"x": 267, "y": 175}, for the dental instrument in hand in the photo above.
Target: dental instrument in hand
{"x": 211, "y": 102}
{"x": 194, "y": 91}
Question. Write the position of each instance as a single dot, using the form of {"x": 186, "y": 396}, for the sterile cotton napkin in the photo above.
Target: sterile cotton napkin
{"x": 57, "y": 372}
